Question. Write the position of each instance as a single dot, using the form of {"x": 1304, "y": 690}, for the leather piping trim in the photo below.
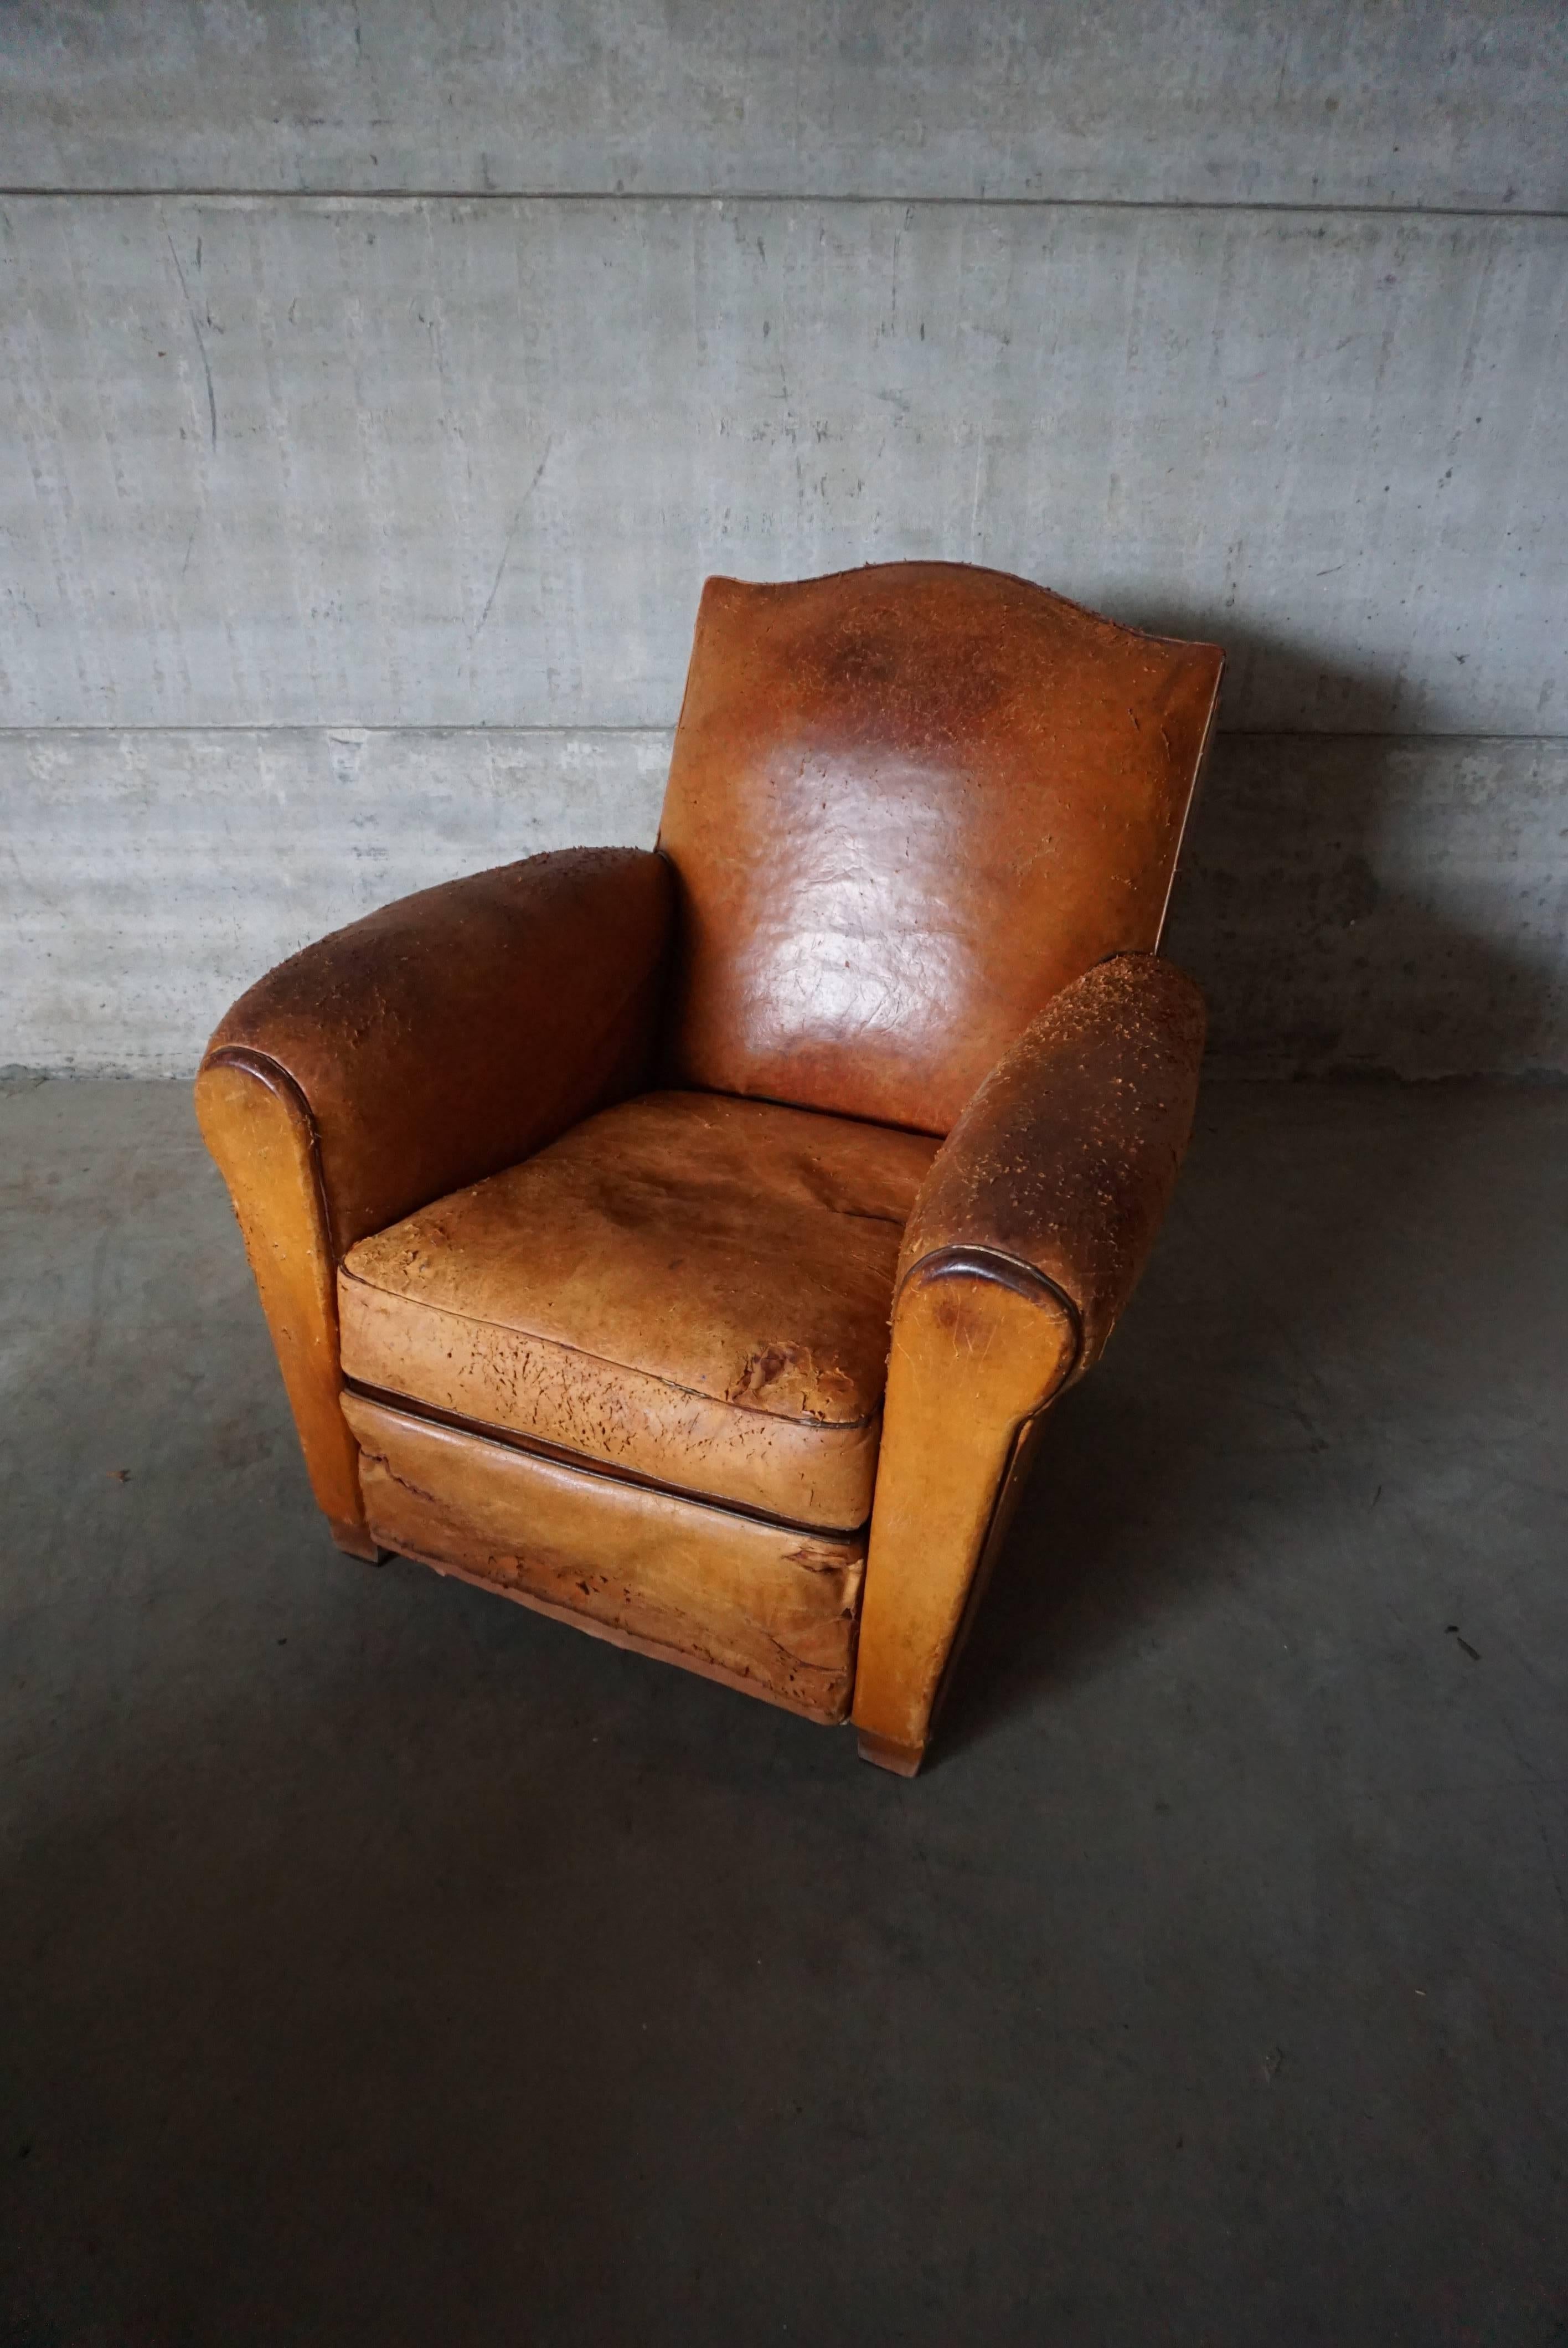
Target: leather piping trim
{"x": 277, "y": 1079}
{"x": 564, "y": 1345}
{"x": 935, "y": 562}
{"x": 1005, "y": 1271}
{"x": 1010, "y": 1271}
{"x": 535, "y": 1446}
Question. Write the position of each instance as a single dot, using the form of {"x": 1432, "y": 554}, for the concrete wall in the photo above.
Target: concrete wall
{"x": 382, "y": 393}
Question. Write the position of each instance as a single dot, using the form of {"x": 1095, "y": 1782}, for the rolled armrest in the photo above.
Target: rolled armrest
{"x": 1026, "y": 1241}
{"x": 434, "y": 1043}
{"x": 454, "y": 1033}
{"x": 1062, "y": 1165}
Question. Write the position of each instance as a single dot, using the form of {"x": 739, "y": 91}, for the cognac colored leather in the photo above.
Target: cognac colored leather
{"x": 907, "y": 805}
{"x": 755, "y": 1605}
{"x": 1065, "y": 1160}
{"x": 422, "y": 1048}
{"x": 1026, "y": 1243}
{"x": 689, "y": 1287}
{"x": 255, "y": 1122}
{"x": 599, "y": 1177}
{"x": 452, "y": 1033}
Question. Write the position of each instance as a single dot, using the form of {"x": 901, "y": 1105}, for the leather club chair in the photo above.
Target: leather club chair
{"x": 690, "y": 1243}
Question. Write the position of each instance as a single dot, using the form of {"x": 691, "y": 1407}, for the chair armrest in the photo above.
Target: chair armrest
{"x": 1062, "y": 1167}
{"x": 418, "y": 1050}
{"x": 457, "y": 1030}
{"x": 1025, "y": 1241}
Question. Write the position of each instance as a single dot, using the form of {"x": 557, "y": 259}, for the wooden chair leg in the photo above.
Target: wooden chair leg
{"x": 904, "y": 1760}
{"x": 355, "y": 1541}
{"x": 973, "y": 1365}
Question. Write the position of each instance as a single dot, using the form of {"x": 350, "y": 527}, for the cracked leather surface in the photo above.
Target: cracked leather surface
{"x": 693, "y": 1287}
{"x": 757, "y": 1606}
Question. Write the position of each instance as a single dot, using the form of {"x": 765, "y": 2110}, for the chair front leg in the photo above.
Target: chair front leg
{"x": 981, "y": 1344}
{"x": 254, "y": 1121}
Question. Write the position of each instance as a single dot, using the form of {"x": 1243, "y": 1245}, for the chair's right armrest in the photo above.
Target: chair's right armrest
{"x": 1027, "y": 1239}
{"x": 446, "y": 1036}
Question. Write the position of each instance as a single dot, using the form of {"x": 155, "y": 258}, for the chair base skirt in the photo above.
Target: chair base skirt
{"x": 766, "y": 1609}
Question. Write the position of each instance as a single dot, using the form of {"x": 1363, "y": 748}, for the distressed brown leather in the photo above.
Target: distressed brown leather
{"x": 908, "y": 805}
{"x": 755, "y": 1605}
{"x": 975, "y": 1359}
{"x": 453, "y": 1032}
{"x": 623, "y": 1353}
{"x": 441, "y": 1037}
{"x": 1065, "y": 1160}
{"x": 1025, "y": 1241}
{"x": 255, "y": 1122}
{"x": 692, "y": 1288}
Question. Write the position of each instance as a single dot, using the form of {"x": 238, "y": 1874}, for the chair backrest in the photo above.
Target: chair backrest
{"x": 906, "y": 806}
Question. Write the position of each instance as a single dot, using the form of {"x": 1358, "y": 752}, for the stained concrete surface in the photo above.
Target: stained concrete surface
{"x": 407, "y": 369}
{"x": 384, "y": 1964}
{"x": 368, "y": 462}
{"x": 1440, "y": 102}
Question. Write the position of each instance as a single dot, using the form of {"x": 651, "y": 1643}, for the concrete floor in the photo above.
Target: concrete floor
{"x": 384, "y": 1965}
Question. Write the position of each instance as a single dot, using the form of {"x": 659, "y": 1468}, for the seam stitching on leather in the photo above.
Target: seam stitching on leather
{"x": 1013, "y": 1272}
{"x": 250, "y": 1056}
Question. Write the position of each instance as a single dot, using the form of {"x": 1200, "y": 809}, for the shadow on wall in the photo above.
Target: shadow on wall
{"x": 1376, "y": 903}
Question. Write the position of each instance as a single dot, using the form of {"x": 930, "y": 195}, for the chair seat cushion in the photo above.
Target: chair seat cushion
{"x": 686, "y": 1288}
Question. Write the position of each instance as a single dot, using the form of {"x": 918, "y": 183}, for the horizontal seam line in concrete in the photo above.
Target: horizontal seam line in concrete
{"x": 347, "y": 726}
{"x": 697, "y": 196}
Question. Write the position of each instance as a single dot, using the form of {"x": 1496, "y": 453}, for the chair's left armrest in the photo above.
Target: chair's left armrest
{"x": 1025, "y": 1241}
{"x": 455, "y": 1032}
{"x": 436, "y": 1041}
